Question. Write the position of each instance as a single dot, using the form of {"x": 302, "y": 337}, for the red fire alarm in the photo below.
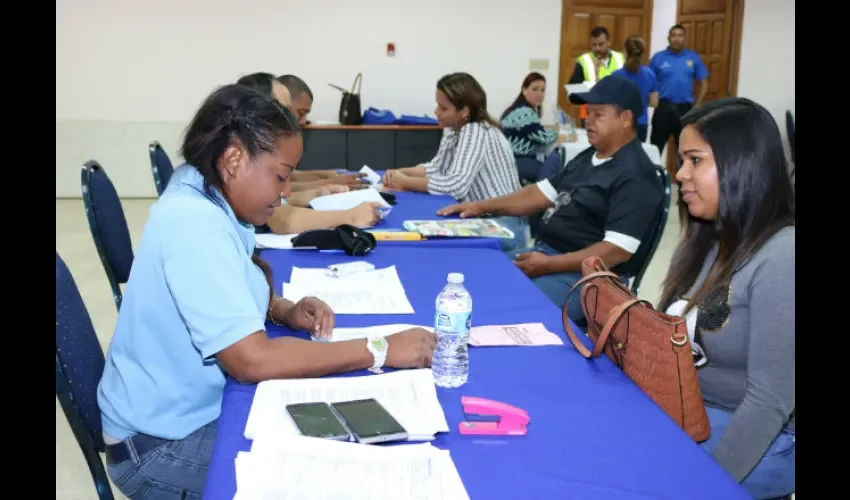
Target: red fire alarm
{"x": 390, "y": 49}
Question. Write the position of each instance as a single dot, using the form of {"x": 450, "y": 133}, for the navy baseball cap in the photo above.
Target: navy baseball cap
{"x": 612, "y": 89}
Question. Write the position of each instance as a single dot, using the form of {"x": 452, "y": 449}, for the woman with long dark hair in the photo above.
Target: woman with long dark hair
{"x": 474, "y": 161}
{"x": 732, "y": 277}
{"x": 196, "y": 305}
{"x": 643, "y": 77}
{"x": 521, "y": 125}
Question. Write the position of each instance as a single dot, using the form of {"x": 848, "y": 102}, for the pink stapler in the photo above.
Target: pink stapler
{"x": 488, "y": 417}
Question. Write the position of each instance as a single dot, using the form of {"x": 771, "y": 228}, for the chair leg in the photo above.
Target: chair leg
{"x": 98, "y": 474}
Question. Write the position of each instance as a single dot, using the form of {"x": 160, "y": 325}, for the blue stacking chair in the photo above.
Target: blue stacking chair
{"x": 79, "y": 366}
{"x": 650, "y": 243}
{"x": 161, "y": 167}
{"x": 108, "y": 226}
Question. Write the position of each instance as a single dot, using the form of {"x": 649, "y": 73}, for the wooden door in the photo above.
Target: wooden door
{"x": 622, "y": 18}
{"x": 712, "y": 30}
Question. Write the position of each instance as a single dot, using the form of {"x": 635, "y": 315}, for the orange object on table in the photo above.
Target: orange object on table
{"x": 396, "y": 236}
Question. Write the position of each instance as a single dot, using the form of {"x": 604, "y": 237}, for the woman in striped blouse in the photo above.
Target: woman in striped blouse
{"x": 474, "y": 162}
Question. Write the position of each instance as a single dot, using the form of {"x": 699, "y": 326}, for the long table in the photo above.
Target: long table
{"x": 593, "y": 433}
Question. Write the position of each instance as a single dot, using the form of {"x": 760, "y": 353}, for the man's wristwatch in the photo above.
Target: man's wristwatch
{"x": 378, "y": 347}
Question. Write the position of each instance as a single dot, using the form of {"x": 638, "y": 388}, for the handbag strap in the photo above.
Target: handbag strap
{"x": 338, "y": 88}
{"x": 614, "y": 317}
{"x": 592, "y": 276}
{"x": 358, "y": 83}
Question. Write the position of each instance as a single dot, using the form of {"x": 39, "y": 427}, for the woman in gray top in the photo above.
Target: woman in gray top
{"x": 732, "y": 277}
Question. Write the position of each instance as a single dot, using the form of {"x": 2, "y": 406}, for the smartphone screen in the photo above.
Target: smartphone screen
{"x": 318, "y": 420}
{"x": 370, "y": 421}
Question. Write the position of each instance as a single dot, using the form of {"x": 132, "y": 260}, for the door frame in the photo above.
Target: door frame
{"x": 737, "y": 36}
{"x": 567, "y": 64}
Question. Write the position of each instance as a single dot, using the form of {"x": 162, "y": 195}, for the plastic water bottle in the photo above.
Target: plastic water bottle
{"x": 452, "y": 321}
{"x": 566, "y": 125}
{"x": 561, "y": 116}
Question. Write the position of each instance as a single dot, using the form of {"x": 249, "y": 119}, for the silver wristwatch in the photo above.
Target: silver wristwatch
{"x": 378, "y": 347}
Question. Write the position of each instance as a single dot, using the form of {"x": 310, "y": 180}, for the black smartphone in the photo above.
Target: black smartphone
{"x": 318, "y": 420}
{"x": 369, "y": 421}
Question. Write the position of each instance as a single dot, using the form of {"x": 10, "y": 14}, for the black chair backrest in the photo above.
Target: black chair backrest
{"x": 650, "y": 244}
{"x": 791, "y": 130}
{"x": 108, "y": 226}
{"x": 161, "y": 166}
{"x": 79, "y": 366}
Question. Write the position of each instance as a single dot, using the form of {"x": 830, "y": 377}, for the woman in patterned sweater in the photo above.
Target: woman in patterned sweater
{"x": 474, "y": 161}
{"x": 521, "y": 125}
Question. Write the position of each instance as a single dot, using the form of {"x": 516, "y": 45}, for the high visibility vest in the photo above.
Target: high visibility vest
{"x": 616, "y": 61}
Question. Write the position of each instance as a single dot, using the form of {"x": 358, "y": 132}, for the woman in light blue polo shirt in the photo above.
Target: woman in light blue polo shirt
{"x": 198, "y": 297}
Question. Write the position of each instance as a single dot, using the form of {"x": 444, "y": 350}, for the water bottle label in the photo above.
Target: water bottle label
{"x": 459, "y": 322}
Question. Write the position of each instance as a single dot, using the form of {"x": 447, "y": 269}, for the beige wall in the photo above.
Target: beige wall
{"x": 131, "y": 72}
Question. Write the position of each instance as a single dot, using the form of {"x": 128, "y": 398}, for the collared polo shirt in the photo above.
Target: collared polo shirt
{"x": 193, "y": 291}
{"x": 676, "y": 73}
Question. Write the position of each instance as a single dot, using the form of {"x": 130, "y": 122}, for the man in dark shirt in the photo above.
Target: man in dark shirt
{"x": 603, "y": 203}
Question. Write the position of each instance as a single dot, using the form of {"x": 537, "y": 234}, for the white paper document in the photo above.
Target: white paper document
{"x": 343, "y": 334}
{"x": 373, "y": 292}
{"x": 278, "y": 241}
{"x": 408, "y": 395}
{"x": 348, "y": 199}
{"x": 526, "y": 334}
{"x": 294, "y": 467}
{"x": 574, "y": 88}
{"x": 321, "y": 276}
{"x": 371, "y": 176}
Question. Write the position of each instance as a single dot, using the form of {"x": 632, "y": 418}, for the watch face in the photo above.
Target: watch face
{"x": 379, "y": 344}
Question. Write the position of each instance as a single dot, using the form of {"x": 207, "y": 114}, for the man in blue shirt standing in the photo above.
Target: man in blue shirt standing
{"x": 675, "y": 68}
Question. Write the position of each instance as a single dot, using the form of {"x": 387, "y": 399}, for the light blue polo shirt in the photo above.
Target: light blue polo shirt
{"x": 193, "y": 291}
{"x": 676, "y": 73}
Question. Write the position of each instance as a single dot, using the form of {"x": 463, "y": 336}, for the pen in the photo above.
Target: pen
{"x": 397, "y": 236}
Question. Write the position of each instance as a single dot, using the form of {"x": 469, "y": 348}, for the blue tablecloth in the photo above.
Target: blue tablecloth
{"x": 593, "y": 433}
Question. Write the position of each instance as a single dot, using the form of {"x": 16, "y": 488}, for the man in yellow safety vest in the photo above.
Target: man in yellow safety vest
{"x": 595, "y": 65}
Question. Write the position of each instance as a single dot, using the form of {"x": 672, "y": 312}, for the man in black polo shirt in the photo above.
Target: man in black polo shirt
{"x": 603, "y": 203}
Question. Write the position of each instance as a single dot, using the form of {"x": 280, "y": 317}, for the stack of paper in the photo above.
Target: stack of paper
{"x": 527, "y": 334}
{"x": 294, "y": 467}
{"x": 342, "y": 334}
{"x": 409, "y": 395}
{"x": 277, "y": 241}
{"x": 372, "y": 292}
{"x": 350, "y": 199}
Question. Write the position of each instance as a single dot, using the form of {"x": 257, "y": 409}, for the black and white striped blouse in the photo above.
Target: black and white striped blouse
{"x": 473, "y": 164}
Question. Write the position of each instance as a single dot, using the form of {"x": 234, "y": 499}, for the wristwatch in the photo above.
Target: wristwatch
{"x": 378, "y": 347}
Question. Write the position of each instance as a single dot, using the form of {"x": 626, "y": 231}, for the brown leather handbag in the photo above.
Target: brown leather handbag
{"x": 652, "y": 348}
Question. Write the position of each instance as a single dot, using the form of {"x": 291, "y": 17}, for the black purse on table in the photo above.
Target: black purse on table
{"x": 350, "y": 112}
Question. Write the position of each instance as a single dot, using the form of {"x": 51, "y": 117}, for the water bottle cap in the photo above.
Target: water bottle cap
{"x": 456, "y": 278}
